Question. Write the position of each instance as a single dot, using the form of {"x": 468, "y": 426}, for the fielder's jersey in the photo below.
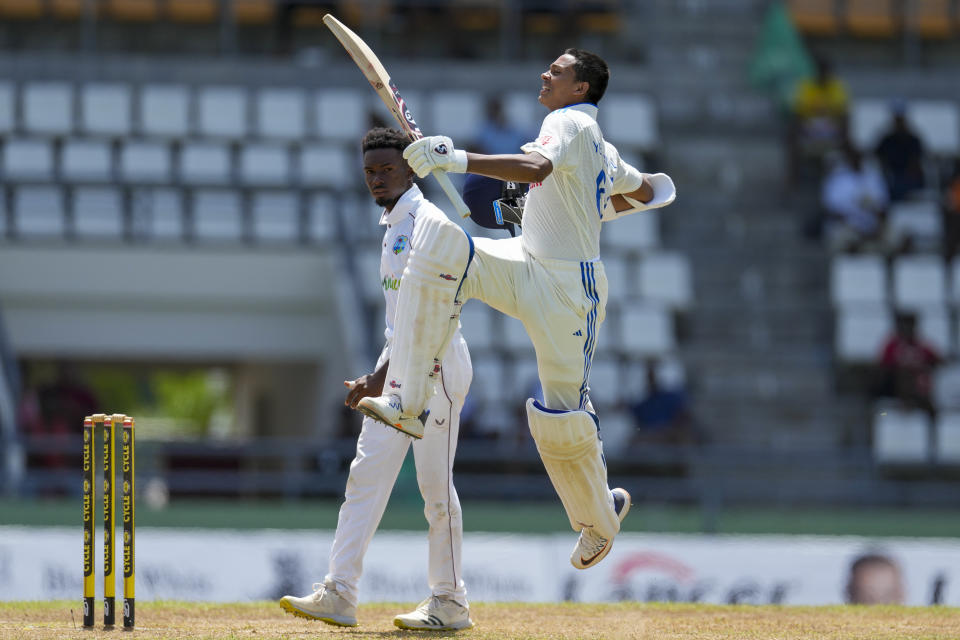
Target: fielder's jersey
{"x": 395, "y": 251}
{"x": 562, "y": 215}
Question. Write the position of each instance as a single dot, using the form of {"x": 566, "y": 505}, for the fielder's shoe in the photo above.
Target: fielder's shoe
{"x": 436, "y": 613}
{"x": 389, "y": 411}
{"x": 592, "y": 548}
{"x": 324, "y": 604}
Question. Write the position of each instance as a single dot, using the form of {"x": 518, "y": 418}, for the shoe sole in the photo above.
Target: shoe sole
{"x": 370, "y": 413}
{"x": 603, "y": 554}
{"x": 448, "y": 627}
{"x": 289, "y": 608}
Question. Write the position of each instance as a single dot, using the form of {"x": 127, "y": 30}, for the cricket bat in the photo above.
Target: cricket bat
{"x": 379, "y": 79}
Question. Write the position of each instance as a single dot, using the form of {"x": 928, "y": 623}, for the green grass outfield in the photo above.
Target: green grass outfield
{"x": 266, "y": 621}
{"x": 539, "y": 517}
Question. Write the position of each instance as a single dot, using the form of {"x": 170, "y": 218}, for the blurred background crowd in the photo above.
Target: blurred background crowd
{"x": 185, "y": 238}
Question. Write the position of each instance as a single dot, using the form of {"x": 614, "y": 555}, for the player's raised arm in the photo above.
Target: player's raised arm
{"x": 437, "y": 152}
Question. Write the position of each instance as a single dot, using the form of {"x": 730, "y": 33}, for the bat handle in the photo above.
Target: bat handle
{"x": 452, "y": 193}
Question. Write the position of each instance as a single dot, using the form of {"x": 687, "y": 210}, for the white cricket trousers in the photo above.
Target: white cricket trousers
{"x": 373, "y": 472}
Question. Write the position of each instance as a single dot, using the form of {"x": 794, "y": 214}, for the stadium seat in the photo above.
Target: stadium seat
{"x": 368, "y": 266}
{"x": 222, "y": 112}
{"x": 265, "y": 165}
{"x": 22, "y": 9}
{"x": 815, "y": 17}
{"x": 616, "y": 428}
{"x": 858, "y": 279}
{"x": 105, "y": 109}
{"x": 193, "y": 11}
{"x": 920, "y": 220}
{"x": 919, "y": 281}
{"x": 633, "y": 118}
{"x": 341, "y": 114}
{"x": 47, "y": 108}
{"x": 415, "y": 101}
{"x": 488, "y": 376}
{"x": 39, "y": 211}
{"x": 281, "y": 114}
{"x": 217, "y": 215}
{"x": 900, "y": 436}
{"x": 933, "y": 324}
{"x": 322, "y": 218}
{"x": 946, "y": 387}
{"x": 4, "y": 228}
{"x": 605, "y": 382}
{"x": 275, "y": 216}
{"x": 522, "y": 380}
{"x": 646, "y": 330}
{"x": 665, "y": 278}
{"x": 7, "y": 108}
{"x": 86, "y": 161}
{"x": 860, "y": 333}
{"x": 869, "y": 118}
{"x": 205, "y": 163}
{"x": 929, "y": 18}
{"x": 635, "y": 232}
{"x": 522, "y": 110}
{"x": 871, "y": 18}
{"x": 158, "y": 213}
{"x": 328, "y": 166}
{"x": 27, "y": 159}
{"x": 98, "y": 212}
{"x": 133, "y": 10}
{"x": 620, "y": 281}
{"x": 458, "y": 114}
{"x": 253, "y": 11}
{"x": 476, "y": 326}
{"x": 937, "y": 123}
{"x": 145, "y": 162}
{"x": 67, "y": 9}
{"x": 947, "y": 438}
{"x": 514, "y": 336}
{"x": 164, "y": 111}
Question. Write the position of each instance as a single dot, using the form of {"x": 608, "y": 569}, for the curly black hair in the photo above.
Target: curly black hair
{"x": 384, "y": 138}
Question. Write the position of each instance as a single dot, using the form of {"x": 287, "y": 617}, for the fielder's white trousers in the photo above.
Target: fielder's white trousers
{"x": 380, "y": 454}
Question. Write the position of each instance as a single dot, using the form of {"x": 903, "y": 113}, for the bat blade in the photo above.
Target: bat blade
{"x": 375, "y": 73}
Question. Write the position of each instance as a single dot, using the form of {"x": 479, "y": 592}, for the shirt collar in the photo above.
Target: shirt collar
{"x": 583, "y": 107}
{"x": 409, "y": 201}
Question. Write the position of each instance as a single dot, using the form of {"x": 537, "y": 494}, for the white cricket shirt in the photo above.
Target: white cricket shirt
{"x": 562, "y": 215}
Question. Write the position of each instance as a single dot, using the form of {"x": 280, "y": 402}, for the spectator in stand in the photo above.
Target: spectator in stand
{"x": 951, "y": 213}
{"x": 907, "y": 364}
{"x": 663, "y": 415}
{"x": 854, "y": 199}
{"x": 818, "y": 122}
{"x": 900, "y": 153}
{"x": 498, "y": 134}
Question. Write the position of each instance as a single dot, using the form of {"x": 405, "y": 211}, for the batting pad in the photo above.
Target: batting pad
{"x": 428, "y": 311}
{"x": 569, "y": 446}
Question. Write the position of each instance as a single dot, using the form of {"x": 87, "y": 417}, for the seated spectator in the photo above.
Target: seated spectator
{"x": 907, "y": 363}
{"x": 854, "y": 199}
{"x": 900, "y": 153}
{"x": 818, "y": 121}
{"x": 663, "y": 415}
{"x": 498, "y": 134}
{"x": 951, "y": 213}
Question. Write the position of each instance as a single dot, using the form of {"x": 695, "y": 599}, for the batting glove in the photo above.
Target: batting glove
{"x": 435, "y": 152}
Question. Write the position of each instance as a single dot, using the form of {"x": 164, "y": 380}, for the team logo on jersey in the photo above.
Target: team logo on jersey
{"x": 394, "y": 384}
{"x": 545, "y": 140}
{"x": 447, "y": 276}
{"x": 400, "y": 244}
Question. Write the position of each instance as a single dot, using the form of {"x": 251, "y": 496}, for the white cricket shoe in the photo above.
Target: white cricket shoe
{"x": 388, "y": 410}
{"x": 324, "y": 604}
{"x": 436, "y": 613}
{"x": 592, "y": 548}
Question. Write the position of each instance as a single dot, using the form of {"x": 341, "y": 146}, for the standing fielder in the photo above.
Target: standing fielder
{"x": 380, "y": 451}
{"x": 550, "y": 278}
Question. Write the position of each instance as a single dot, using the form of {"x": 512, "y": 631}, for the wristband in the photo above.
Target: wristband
{"x": 458, "y": 162}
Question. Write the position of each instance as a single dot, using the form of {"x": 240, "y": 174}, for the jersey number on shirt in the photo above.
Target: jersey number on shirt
{"x": 602, "y": 198}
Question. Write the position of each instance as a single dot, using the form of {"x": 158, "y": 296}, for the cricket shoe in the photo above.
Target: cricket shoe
{"x": 436, "y": 613}
{"x": 389, "y": 411}
{"x": 324, "y": 604}
{"x": 591, "y": 547}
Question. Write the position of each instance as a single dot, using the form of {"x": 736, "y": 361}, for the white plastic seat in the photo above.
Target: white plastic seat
{"x": 933, "y": 325}
{"x": 458, "y": 114}
{"x": 861, "y": 332}
{"x": 869, "y": 118}
{"x": 919, "y": 281}
{"x": 341, "y": 115}
{"x": 7, "y": 108}
{"x": 265, "y": 165}
{"x": 605, "y": 382}
{"x": 159, "y": 213}
{"x": 635, "y": 232}
{"x": 946, "y": 387}
{"x": 368, "y": 266}
{"x": 204, "y": 163}
{"x": 321, "y": 218}
{"x": 476, "y": 326}
{"x": 620, "y": 281}
{"x": 955, "y": 281}
{"x": 165, "y": 111}
{"x": 39, "y": 211}
{"x": 858, "y": 279}
{"x": 646, "y": 330}
{"x": 947, "y": 438}
{"x": 901, "y": 436}
{"x": 48, "y": 108}
{"x": 327, "y": 166}
{"x": 488, "y": 376}
{"x": 276, "y": 216}
{"x": 105, "y": 109}
{"x": 918, "y": 219}
{"x": 97, "y": 212}
{"x": 4, "y": 228}
{"x": 145, "y": 162}
{"x": 514, "y": 336}
{"x": 86, "y": 160}
{"x": 522, "y": 110}
{"x": 217, "y": 215}
{"x": 27, "y": 159}
{"x": 281, "y": 114}
{"x": 522, "y": 380}
{"x": 631, "y": 120}
{"x": 665, "y": 278}
{"x": 222, "y": 112}
{"x": 937, "y": 123}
